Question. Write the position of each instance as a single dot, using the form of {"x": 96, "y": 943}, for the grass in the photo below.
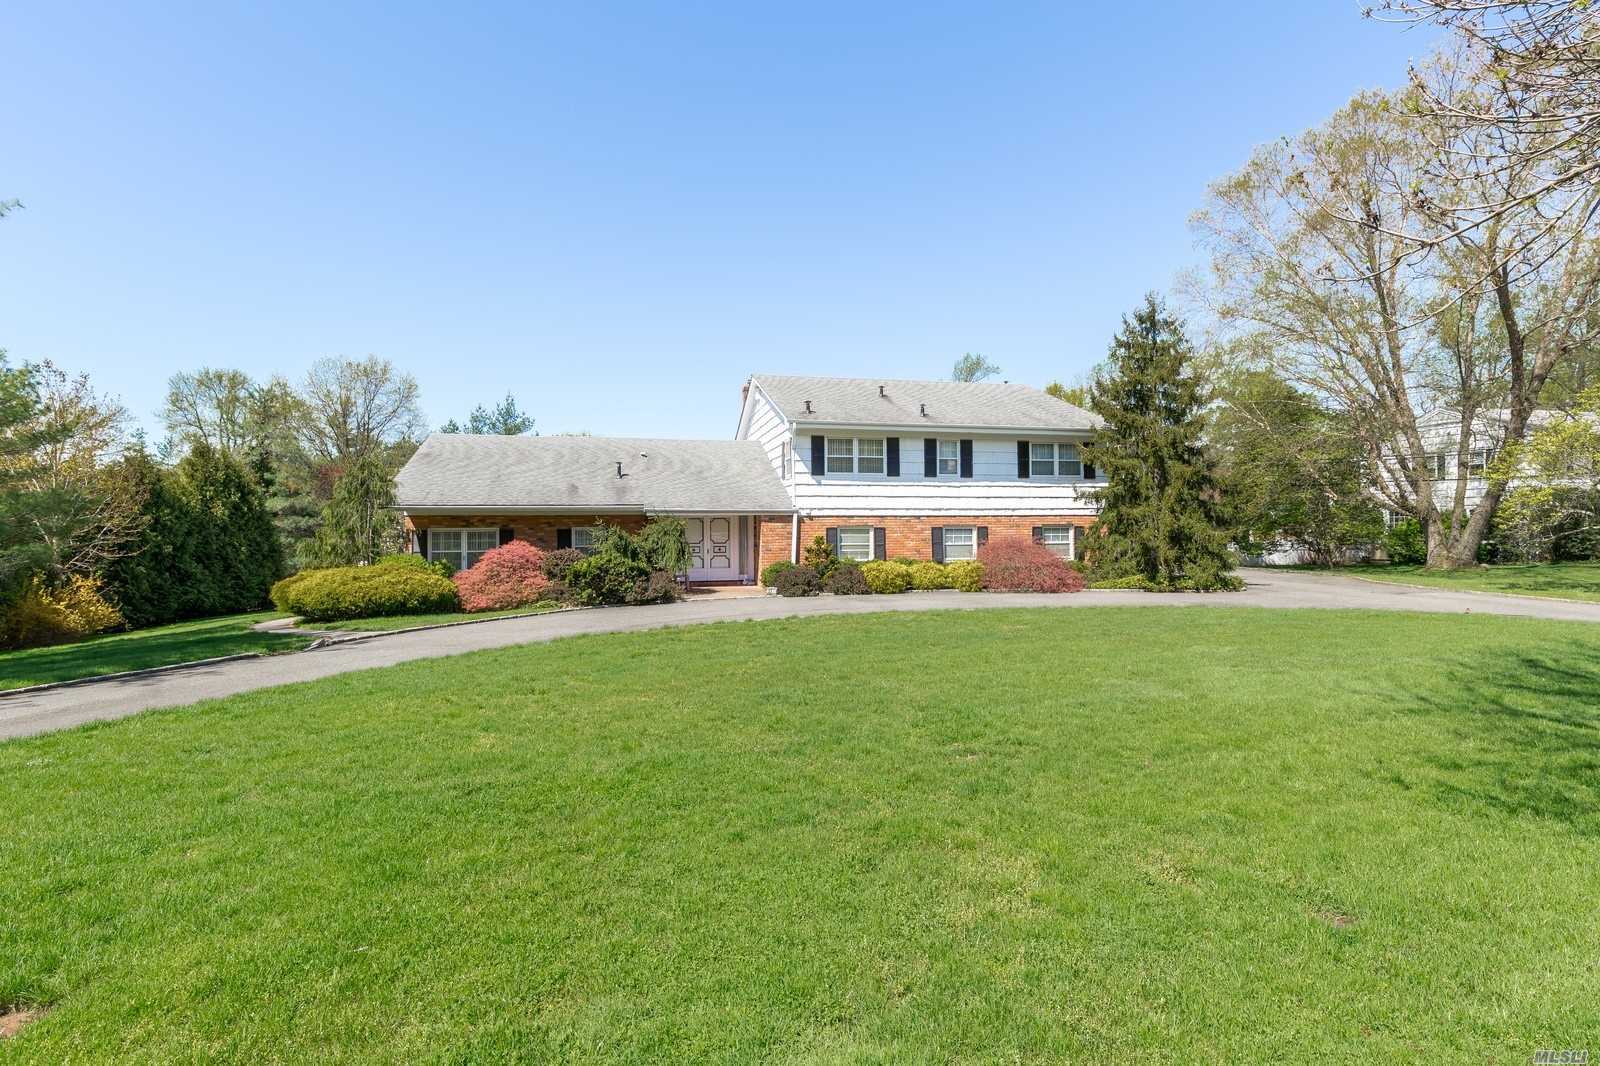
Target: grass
{"x": 1160, "y": 834}
{"x": 142, "y": 648}
{"x": 1558, "y": 581}
{"x": 406, "y": 621}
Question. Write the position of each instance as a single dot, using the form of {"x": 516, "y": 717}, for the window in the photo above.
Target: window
{"x": 461, "y": 547}
{"x": 960, "y": 542}
{"x": 1436, "y": 465}
{"x": 855, "y": 542}
{"x": 1058, "y": 539}
{"x": 1054, "y": 460}
{"x": 949, "y": 458}
{"x": 583, "y": 538}
{"x": 1478, "y": 461}
{"x": 850, "y": 455}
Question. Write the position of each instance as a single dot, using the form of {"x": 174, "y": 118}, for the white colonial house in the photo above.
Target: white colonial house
{"x": 880, "y": 468}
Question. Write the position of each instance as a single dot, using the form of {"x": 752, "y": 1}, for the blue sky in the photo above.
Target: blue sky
{"x": 617, "y": 212}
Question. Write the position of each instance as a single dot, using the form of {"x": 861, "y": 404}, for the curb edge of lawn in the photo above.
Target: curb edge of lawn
{"x": 124, "y": 675}
{"x": 1470, "y": 592}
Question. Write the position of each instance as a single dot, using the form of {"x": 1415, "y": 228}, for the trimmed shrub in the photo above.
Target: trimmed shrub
{"x": 42, "y": 615}
{"x": 1015, "y": 565}
{"x": 511, "y": 575}
{"x": 908, "y": 560}
{"x": 660, "y": 587}
{"x": 279, "y": 595}
{"x": 770, "y": 574}
{"x": 819, "y": 556}
{"x": 442, "y": 567}
{"x": 886, "y": 578}
{"x": 799, "y": 581}
{"x": 846, "y": 581}
{"x": 370, "y": 592}
{"x": 965, "y": 575}
{"x": 1132, "y": 581}
{"x": 558, "y": 562}
{"x": 1406, "y": 543}
{"x": 604, "y": 579}
{"x": 926, "y": 576}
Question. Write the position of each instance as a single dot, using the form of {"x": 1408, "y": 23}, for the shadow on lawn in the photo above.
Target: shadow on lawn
{"x": 1530, "y": 731}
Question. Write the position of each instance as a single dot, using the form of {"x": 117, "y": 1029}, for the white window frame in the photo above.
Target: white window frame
{"x": 1478, "y": 461}
{"x": 461, "y": 552}
{"x": 960, "y": 546}
{"x": 848, "y": 451}
{"x": 953, "y": 459}
{"x": 587, "y": 533}
{"x": 1071, "y": 543}
{"x": 865, "y": 535}
{"x": 1437, "y": 465}
{"x": 1064, "y": 459}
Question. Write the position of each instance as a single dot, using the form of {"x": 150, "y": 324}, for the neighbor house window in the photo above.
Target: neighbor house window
{"x": 960, "y": 542}
{"x": 583, "y": 538}
{"x": 1437, "y": 465}
{"x": 1478, "y": 461}
{"x": 949, "y": 458}
{"x": 1058, "y": 539}
{"x": 1054, "y": 460}
{"x": 855, "y": 542}
{"x": 461, "y": 547}
{"x": 853, "y": 455}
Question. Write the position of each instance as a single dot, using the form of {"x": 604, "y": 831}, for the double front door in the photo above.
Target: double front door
{"x": 713, "y": 548}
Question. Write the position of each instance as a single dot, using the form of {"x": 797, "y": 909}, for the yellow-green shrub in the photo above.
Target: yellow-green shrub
{"x": 279, "y": 595}
{"x": 369, "y": 592}
{"x": 964, "y": 575}
{"x": 885, "y": 577}
{"x": 43, "y": 615}
{"x": 927, "y": 575}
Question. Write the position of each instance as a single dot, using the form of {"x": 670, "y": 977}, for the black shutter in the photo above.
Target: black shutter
{"x": 880, "y": 542}
{"x": 1038, "y": 534}
{"x": 938, "y": 544}
{"x": 983, "y": 535}
{"x": 1088, "y": 471}
{"x": 564, "y": 537}
{"x": 892, "y": 447}
{"x": 506, "y": 534}
{"x": 930, "y": 457}
{"x": 1022, "y": 458}
{"x": 832, "y": 533}
{"x": 422, "y": 543}
{"x": 966, "y": 458}
{"x": 818, "y": 456}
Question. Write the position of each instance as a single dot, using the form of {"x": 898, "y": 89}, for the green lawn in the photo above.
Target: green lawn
{"x": 1138, "y": 834}
{"x": 1560, "y": 581}
{"x": 159, "y": 646}
{"x": 406, "y": 621}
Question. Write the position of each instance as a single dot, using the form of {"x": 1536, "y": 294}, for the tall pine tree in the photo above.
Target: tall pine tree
{"x": 1161, "y": 518}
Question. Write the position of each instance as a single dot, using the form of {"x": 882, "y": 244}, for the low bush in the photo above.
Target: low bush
{"x": 965, "y": 575}
{"x": 1131, "y": 581}
{"x": 798, "y": 581}
{"x": 926, "y": 576}
{"x": 1015, "y": 565}
{"x": 279, "y": 594}
{"x": 1406, "y": 543}
{"x": 886, "y": 578}
{"x": 605, "y": 579}
{"x": 558, "y": 562}
{"x": 370, "y": 592}
{"x": 771, "y": 572}
{"x": 511, "y": 575}
{"x": 43, "y": 615}
{"x": 442, "y": 567}
{"x": 846, "y": 581}
{"x": 907, "y": 560}
{"x": 661, "y": 586}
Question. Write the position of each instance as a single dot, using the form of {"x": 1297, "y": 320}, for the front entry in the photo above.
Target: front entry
{"x": 713, "y": 548}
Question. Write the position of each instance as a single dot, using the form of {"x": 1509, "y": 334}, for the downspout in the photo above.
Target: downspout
{"x": 794, "y": 538}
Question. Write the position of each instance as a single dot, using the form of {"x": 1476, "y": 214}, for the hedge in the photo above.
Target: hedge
{"x": 368, "y": 592}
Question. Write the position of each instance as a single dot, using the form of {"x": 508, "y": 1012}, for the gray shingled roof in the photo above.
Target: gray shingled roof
{"x": 473, "y": 472}
{"x": 979, "y": 405}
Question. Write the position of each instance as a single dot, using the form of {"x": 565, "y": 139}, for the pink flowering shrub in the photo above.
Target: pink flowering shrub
{"x": 511, "y": 575}
{"x": 1015, "y": 565}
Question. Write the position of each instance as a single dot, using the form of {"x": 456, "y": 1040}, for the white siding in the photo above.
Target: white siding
{"x": 762, "y": 421}
{"x": 993, "y": 489}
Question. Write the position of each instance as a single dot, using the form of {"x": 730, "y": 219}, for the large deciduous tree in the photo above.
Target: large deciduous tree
{"x": 1160, "y": 514}
{"x": 231, "y": 412}
{"x": 1335, "y": 262}
{"x": 356, "y": 407}
{"x": 973, "y": 366}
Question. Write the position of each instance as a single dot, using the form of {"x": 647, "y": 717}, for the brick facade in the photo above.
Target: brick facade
{"x": 538, "y": 530}
{"x": 907, "y": 536}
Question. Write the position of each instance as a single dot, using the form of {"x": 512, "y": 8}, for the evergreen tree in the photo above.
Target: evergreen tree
{"x": 359, "y": 524}
{"x": 1160, "y": 515}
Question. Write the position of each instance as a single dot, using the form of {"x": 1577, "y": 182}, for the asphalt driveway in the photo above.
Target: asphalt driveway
{"x": 38, "y": 712}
